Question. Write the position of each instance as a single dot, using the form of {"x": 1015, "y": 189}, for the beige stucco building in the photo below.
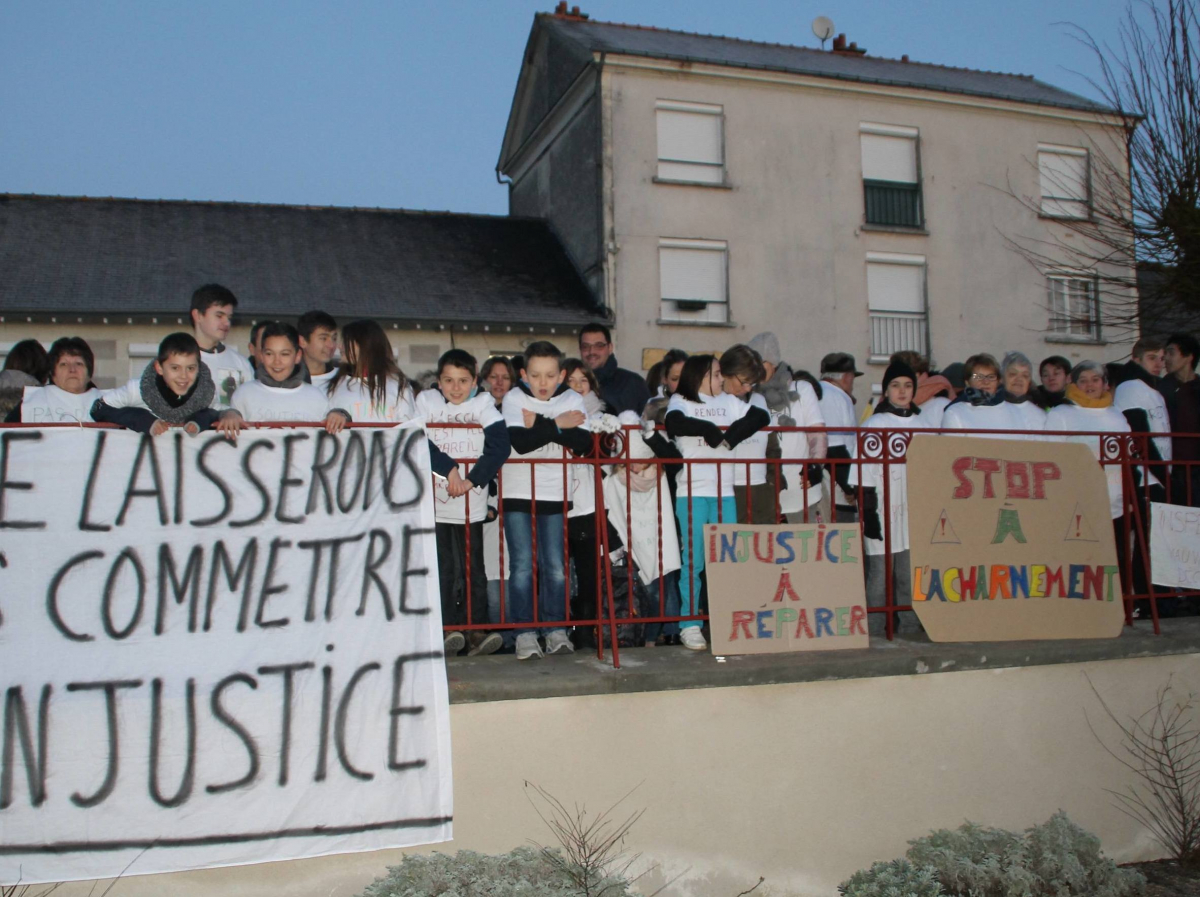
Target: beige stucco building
{"x": 711, "y": 188}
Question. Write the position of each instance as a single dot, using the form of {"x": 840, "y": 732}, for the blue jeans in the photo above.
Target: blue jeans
{"x": 704, "y": 512}
{"x": 551, "y": 584}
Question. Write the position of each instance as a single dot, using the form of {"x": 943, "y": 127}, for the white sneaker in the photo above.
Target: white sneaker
{"x": 527, "y": 646}
{"x": 692, "y": 638}
{"x": 453, "y": 643}
{"x": 558, "y": 643}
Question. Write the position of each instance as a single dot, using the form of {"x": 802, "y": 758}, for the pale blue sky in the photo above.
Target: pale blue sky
{"x": 393, "y": 104}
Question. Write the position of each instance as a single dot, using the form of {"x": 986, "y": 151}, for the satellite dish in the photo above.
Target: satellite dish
{"x": 822, "y": 27}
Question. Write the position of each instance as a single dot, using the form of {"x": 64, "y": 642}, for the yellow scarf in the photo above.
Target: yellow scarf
{"x": 1077, "y": 397}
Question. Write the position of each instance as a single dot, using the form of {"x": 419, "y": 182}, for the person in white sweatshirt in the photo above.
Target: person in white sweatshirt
{"x": 1089, "y": 406}
{"x": 982, "y": 405}
{"x": 69, "y": 396}
{"x": 545, "y": 418}
{"x": 707, "y": 424}
{"x": 211, "y": 313}
{"x": 895, "y": 411}
{"x": 460, "y": 494}
{"x": 369, "y": 384}
{"x": 1016, "y": 371}
{"x": 1136, "y": 395}
{"x": 638, "y": 501}
{"x": 279, "y": 392}
{"x": 176, "y": 388}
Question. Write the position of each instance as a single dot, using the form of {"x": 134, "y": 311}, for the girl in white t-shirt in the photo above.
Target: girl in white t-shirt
{"x": 896, "y": 411}
{"x": 707, "y": 424}
{"x": 369, "y": 384}
{"x": 741, "y": 370}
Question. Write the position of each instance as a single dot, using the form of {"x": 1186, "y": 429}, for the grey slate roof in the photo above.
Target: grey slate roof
{"x": 84, "y": 256}
{"x": 635, "y": 40}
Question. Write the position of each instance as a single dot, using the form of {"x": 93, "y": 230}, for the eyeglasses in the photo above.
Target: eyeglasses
{"x": 984, "y": 378}
{"x": 593, "y": 345}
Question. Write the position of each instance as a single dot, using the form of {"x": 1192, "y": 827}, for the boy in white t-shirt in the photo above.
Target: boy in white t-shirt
{"x": 211, "y": 312}
{"x": 544, "y": 417}
{"x": 460, "y": 493}
{"x": 279, "y": 392}
{"x": 318, "y": 345}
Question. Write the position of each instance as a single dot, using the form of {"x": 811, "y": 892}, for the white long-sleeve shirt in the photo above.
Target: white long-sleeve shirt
{"x": 872, "y": 476}
{"x": 256, "y": 401}
{"x": 50, "y": 405}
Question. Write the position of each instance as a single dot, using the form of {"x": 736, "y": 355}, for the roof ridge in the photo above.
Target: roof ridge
{"x": 763, "y": 43}
{"x": 265, "y": 205}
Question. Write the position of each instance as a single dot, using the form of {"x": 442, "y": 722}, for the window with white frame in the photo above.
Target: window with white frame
{"x": 891, "y": 175}
{"x": 140, "y": 355}
{"x": 1074, "y": 305}
{"x": 694, "y": 280}
{"x": 896, "y": 303}
{"x": 691, "y": 142}
{"x": 1063, "y": 176}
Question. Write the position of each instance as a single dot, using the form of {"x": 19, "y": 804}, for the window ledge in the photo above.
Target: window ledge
{"x": 894, "y": 229}
{"x": 1074, "y": 340}
{"x": 668, "y": 322}
{"x": 1089, "y": 218}
{"x": 723, "y": 185}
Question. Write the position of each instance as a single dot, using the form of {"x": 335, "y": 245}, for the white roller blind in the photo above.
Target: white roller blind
{"x": 692, "y": 274}
{"x": 689, "y": 136}
{"x": 896, "y": 287}
{"x": 889, "y": 158}
{"x": 1063, "y": 175}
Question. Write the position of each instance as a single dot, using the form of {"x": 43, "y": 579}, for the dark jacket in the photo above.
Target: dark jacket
{"x": 623, "y": 390}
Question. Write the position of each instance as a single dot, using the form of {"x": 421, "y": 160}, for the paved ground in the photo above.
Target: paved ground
{"x": 503, "y": 677}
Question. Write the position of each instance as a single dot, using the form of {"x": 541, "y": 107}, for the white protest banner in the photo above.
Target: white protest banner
{"x": 217, "y": 654}
{"x": 1175, "y": 545}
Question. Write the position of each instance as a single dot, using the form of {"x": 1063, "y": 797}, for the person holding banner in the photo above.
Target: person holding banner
{"x": 176, "y": 388}
{"x": 279, "y": 392}
{"x": 895, "y": 411}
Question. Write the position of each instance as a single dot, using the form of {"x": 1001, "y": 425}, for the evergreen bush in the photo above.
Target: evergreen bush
{"x": 1055, "y": 859}
{"x": 524, "y": 872}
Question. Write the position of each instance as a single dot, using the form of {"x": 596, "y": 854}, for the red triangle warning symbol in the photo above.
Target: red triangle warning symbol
{"x": 943, "y": 532}
{"x": 1078, "y": 528}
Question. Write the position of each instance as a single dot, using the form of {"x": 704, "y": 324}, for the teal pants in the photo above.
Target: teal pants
{"x": 691, "y": 547}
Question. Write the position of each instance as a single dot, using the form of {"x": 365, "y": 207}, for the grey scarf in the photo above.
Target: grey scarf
{"x": 293, "y": 380}
{"x": 779, "y": 395}
{"x": 165, "y": 405}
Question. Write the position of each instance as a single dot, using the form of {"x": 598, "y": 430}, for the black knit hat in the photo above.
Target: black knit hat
{"x": 898, "y": 369}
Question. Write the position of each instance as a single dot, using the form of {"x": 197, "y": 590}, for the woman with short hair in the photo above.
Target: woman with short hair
{"x": 981, "y": 405}
{"x": 1017, "y": 376}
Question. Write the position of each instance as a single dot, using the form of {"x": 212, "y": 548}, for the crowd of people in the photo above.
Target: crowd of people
{"x": 698, "y": 436}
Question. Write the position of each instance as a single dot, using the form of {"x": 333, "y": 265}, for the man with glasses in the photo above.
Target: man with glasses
{"x": 623, "y": 390}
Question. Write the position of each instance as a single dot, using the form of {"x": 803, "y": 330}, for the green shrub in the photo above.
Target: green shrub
{"x": 1055, "y": 859}
{"x": 524, "y": 872}
{"x": 899, "y": 878}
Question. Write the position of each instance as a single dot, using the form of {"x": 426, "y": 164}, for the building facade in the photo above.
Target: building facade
{"x": 709, "y": 189}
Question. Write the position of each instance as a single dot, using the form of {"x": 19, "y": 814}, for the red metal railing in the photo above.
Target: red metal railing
{"x": 610, "y": 456}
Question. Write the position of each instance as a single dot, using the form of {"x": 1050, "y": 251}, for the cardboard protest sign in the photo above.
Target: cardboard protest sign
{"x": 217, "y": 654}
{"x": 1011, "y": 540}
{"x": 795, "y": 587}
{"x": 1175, "y": 545}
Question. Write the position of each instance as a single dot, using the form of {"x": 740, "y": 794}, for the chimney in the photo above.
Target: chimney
{"x": 571, "y": 13}
{"x": 840, "y": 47}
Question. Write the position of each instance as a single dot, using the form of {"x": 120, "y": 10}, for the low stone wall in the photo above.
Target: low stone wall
{"x": 801, "y": 769}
